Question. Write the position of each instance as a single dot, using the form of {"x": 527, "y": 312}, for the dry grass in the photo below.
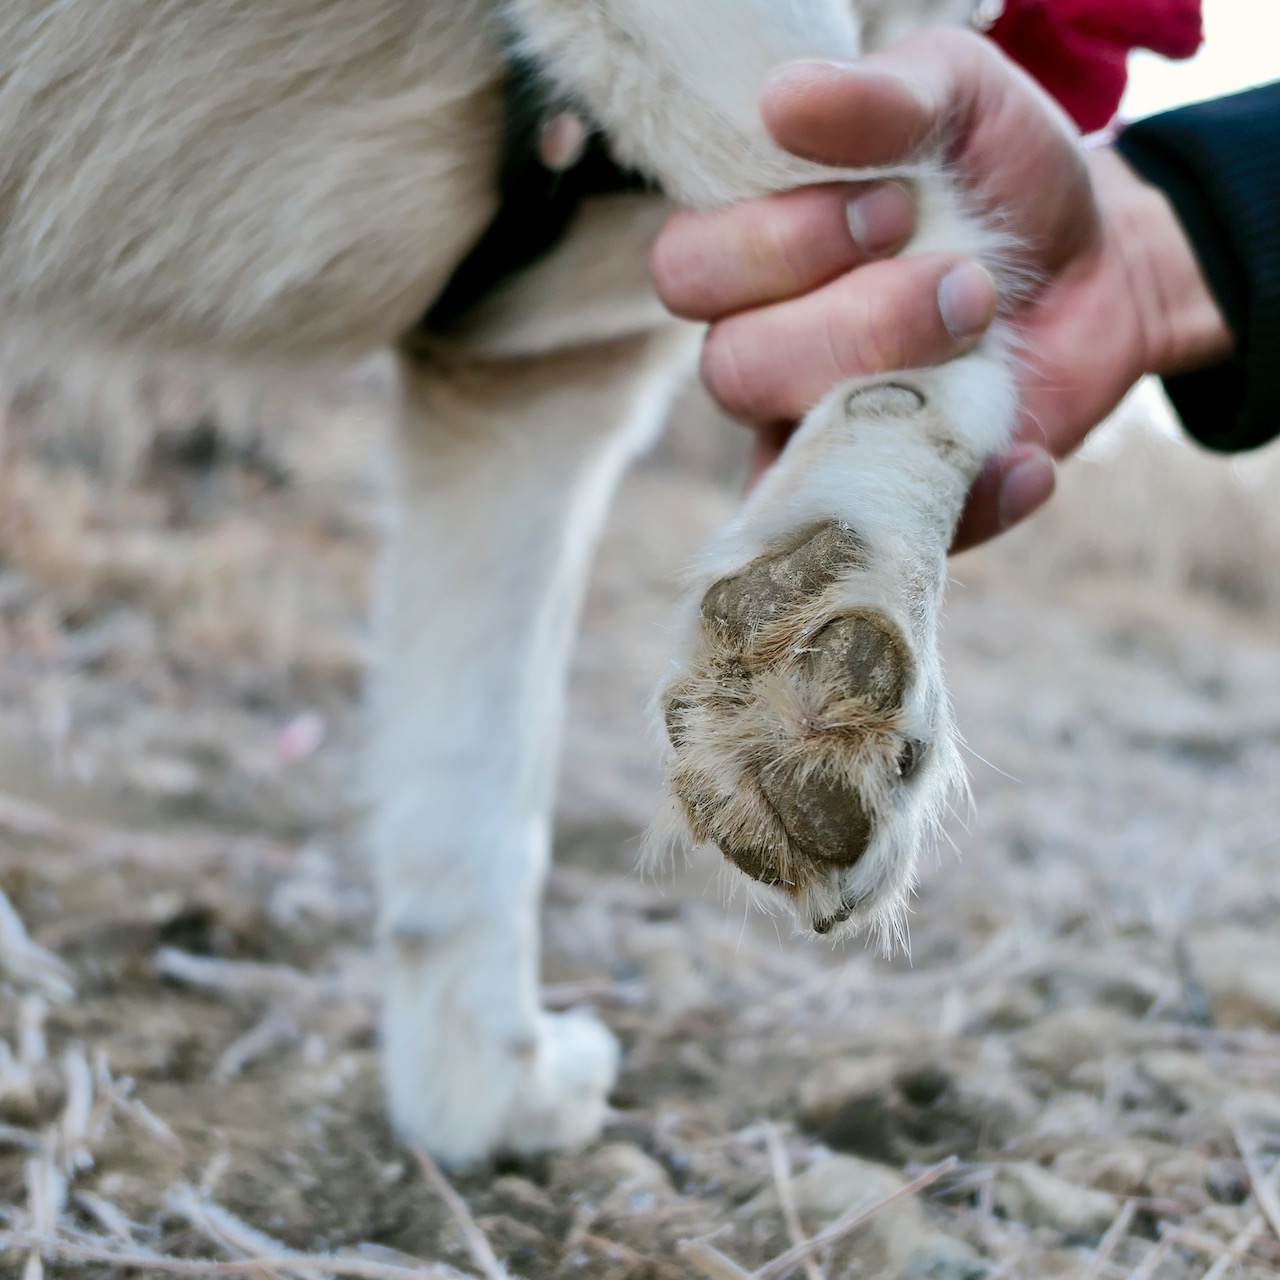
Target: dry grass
{"x": 176, "y": 724}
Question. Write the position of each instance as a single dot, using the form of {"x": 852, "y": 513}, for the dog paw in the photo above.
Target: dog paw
{"x": 562, "y": 1100}
{"x": 467, "y": 1091}
{"x": 809, "y": 732}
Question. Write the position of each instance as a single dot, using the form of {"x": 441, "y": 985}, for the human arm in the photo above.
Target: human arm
{"x": 1119, "y": 289}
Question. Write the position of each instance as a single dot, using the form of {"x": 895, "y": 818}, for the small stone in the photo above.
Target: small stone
{"x": 1228, "y": 1181}
{"x": 947, "y": 1264}
{"x": 622, "y": 1178}
{"x": 520, "y": 1198}
{"x": 517, "y": 1243}
{"x": 1186, "y": 1079}
{"x": 1182, "y": 1176}
{"x": 1033, "y": 1196}
{"x": 826, "y": 1088}
{"x": 1120, "y": 1170}
{"x": 1107, "y": 977}
{"x": 1239, "y": 971}
{"x": 897, "y": 1242}
{"x": 598, "y": 1258}
{"x": 19, "y": 1103}
{"x": 832, "y": 1185}
{"x": 1063, "y": 1041}
{"x": 671, "y": 977}
{"x": 898, "y": 1111}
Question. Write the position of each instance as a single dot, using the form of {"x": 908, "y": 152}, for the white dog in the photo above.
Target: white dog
{"x": 280, "y": 183}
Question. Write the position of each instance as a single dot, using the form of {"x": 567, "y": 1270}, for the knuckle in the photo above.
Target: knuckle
{"x": 724, "y": 372}
{"x": 774, "y": 245}
{"x": 865, "y": 335}
{"x": 675, "y": 266}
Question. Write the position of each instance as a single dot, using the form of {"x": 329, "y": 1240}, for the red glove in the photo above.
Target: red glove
{"x": 1078, "y": 49}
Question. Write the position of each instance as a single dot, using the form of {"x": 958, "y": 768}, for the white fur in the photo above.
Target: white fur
{"x": 278, "y": 184}
{"x": 509, "y": 467}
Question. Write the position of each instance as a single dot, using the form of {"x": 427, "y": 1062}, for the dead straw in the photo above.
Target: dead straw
{"x": 716, "y": 1266}
{"x": 1262, "y": 1186}
{"x": 304, "y": 1264}
{"x": 851, "y": 1221}
{"x": 477, "y": 1244}
{"x": 780, "y": 1166}
{"x": 1107, "y": 1246}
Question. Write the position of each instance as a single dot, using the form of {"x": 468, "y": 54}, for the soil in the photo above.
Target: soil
{"x": 1088, "y": 1019}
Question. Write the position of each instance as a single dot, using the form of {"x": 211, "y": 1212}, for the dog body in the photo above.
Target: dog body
{"x": 290, "y": 183}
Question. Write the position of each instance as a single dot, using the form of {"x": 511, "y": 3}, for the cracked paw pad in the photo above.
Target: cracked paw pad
{"x": 768, "y": 589}
{"x": 786, "y": 725}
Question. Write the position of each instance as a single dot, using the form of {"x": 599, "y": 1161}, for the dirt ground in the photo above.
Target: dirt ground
{"x": 1088, "y": 1022}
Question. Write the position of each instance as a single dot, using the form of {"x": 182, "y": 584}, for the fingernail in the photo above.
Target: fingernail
{"x": 1028, "y": 484}
{"x": 806, "y": 69}
{"x": 881, "y": 219}
{"x": 967, "y": 300}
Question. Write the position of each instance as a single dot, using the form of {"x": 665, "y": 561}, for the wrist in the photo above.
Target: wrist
{"x": 1178, "y": 324}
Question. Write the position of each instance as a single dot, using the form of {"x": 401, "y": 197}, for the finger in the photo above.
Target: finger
{"x": 708, "y": 265}
{"x": 774, "y": 364}
{"x": 883, "y": 108}
{"x": 849, "y": 114}
{"x": 949, "y": 89}
{"x": 1009, "y": 489}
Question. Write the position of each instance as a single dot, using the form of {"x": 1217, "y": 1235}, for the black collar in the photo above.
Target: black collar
{"x": 536, "y": 203}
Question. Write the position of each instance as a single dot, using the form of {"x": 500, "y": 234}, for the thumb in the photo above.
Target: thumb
{"x": 1009, "y": 489}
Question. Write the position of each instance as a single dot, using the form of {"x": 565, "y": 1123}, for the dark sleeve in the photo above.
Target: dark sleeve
{"x": 1219, "y": 164}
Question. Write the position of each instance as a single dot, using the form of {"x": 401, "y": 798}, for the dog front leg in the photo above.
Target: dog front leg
{"x": 504, "y": 472}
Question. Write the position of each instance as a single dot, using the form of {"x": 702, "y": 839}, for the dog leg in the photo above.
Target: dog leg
{"x": 810, "y": 734}
{"x": 504, "y": 470}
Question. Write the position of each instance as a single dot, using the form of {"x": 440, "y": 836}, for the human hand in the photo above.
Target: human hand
{"x": 801, "y": 293}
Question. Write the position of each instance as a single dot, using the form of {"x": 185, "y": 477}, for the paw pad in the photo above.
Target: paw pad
{"x": 786, "y": 723}
{"x": 823, "y": 815}
{"x": 864, "y": 655}
{"x": 769, "y": 588}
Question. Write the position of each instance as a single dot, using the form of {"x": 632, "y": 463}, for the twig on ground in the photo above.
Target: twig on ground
{"x": 1107, "y": 1246}
{"x": 33, "y": 1049}
{"x": 73, "y": 1124}
{"x": 1148, "y": 1266}
{"x": 240, "y": 979}
{"x": 46, "y": 1198}
{"x": 27, "y": 963}
{"x": 145, "y": 849}
{"x": 780, "y": 1166}
{"x": 1246, "y": 1237}
{"x": 564, "y": 995}
{"x": 1262, "y": 1186}
{"x": 347, "y": 1268}
{"x": 119, "y": 1093}
{"x": 23, "y": 1139}
{"x": 231, "y": 1234}
{"x": 711, "y": 1262}
{"x": 1226, "y": 1252}
{"x": 477, "y": 1244}
{"x": 277, "y": 1029}
{"x": 851, "y": 1221}
{"x": 110, "y": 1217}
{"x": 716, "y": 1266}
{"x": 584, "y": 1217}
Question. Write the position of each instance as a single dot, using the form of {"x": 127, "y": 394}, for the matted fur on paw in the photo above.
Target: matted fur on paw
{"x": 793, "y": 746}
